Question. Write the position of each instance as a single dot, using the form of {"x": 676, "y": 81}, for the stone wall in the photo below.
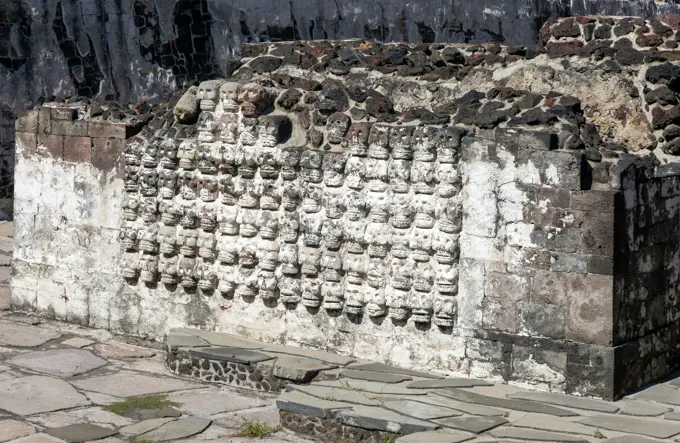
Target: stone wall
{"x": 429, "y": 206}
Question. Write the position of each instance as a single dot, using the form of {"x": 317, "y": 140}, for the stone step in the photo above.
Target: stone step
{"x": 647, "y": 427}
{"x": 300, "y": 403}
{"x": 507, "y": 403}
{"x": 568, "y": 401}
{"x": 383, "y": 420}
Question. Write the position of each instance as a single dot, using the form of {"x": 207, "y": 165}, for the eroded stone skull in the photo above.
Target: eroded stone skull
{"x": 148, "y": 182}
{"x": 148, "y": 266}
{"x": 229, "y": 93}
{"x": 401, "y": 143}
{"x": 424, "y": 140}
{"x": 357, "y": 139}
{"x": 445, "y": 310}
{"x": 167, "y": 267}
{"x": 208, "y": 188}
{"x": 208, "y": 93}
{"x": 255, "y": 99}
{"x": 130, "y": 205}
{"x": 378, "y": 141}
{"x": 168, "y": 149}
{"x": 290, "y": 290}
{"x": 206, "y": 243}
{"x": 207, "y": 126}
{"x": 337, "y": 126}
{"x": 167, "y": 180}
{"x": 311, "y": 293}
{"x": 273, "y": 128}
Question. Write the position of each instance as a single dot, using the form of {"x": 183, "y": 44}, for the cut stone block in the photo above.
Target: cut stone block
{"x": 507, "y": 403}
{"x": 77, "y": 342}
{"x": 418, "y": 410}
{"x": 235, "y": 355}
{"x": 381, "y": 377}
{"x": 383, "y": 420}
{"x": 471, "y": 424}
{"x": 222, "y": 339}
{"x": 144, "y": 426}
{"x": 11, "y": 429}
{"x": 372, "y": 386}
{"x": 631, "y": 439}
{"x": 208, "y": 402}
{"x": 37, "y": 394}
{"x": 131, "y": 384}
{"x": 531, "y": 434}
{"x": 338, "y": 394}
{"x": 299, "y": 403}
{"x": 176, "y": 340}
{"x": 660, "y": 394}
{"x": 468, "y": 408}
{"x": 648, "y": 427}
{"x": 642, "y": 408}
{"x": 39, "y": 438}
{"x": 25, "y": 336}
{"x": 568, "y": 401}
{"x": 150, "y": 414}
{"x": 59, "y": 362}
{"x": 122, "y": 351}
{"x": 448, "y": 383}
{"x": 441, "y": 436}
{"x": 550, "y": 423}
{"x": 80, "y": 432}
{"x": 381, "y": 367}
{"x": 302, "y": 369}
{"x": 174, "y": 430}
{"x": 326, "y": 357}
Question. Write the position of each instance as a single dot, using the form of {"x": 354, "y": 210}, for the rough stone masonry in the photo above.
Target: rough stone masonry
{"x": 482, "y": 210}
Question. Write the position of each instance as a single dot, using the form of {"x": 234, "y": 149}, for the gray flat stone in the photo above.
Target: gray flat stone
{"x": 174, "y": 430}
{"x": 381, "y": 377}
{"x": 131, "y": 384}
{"x": 441, "y": 436}
{"x": 176, "y": 340}
{"x": 372, "y": 386}
{"x": 80, "y": 432}
{"x": 299, "y": 403}
{"x": 468, "y": 408}
{"x": 11, "y": 429}
{"x": 207, "y": 402}
{"x": 550, "y": 423}
{"x": 222, "y": 339}
{"x": 383, "y": 420}
{"x": 418, "y": 410}
{"x": 144, "y": 426}
{"x": 381, "y": 367}
{"x": 507, "y": 403}
{"x": 568, "y": 401}
{"x": 235, "y": 355}
{"x": 631, "y": 439}
{"x": 37, "y": 394}
{"x": 39, "y": 438}
{"x": 338, "y": 394}
{"x": 150, "y": 414}
{"x": 123, "y": 351}
{"x": 448, "y": 383}
{"x": 326, "y": 357}
{"x": 648, "y": 427}
{"x": 532, "y": 434}
{"x": 642, "y": 408}
{"x": 77, "y": 342}
{"x": 674, "y": 415}
{"x": 25, "y": 336}
{"x": 59, "y": 362}
{"x": 471, "y": 424}
{"x": 660, "y": 394}
{"x": 302, "y": 369}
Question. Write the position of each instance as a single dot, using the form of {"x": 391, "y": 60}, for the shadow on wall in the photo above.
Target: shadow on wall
{"x": 143, "y": 49}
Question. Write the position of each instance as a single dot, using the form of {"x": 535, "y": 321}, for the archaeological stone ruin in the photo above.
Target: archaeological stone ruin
{"x": 500, "y": 212}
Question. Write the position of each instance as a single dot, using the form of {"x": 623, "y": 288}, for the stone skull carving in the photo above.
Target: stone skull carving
{"x": 131, "y": 178}
{"x": 247, "y": 220}
{"x": 207, "y": 126}
{"x": 188, "y": 185}
{"x": 168, "y": 241}
{"x": 445, "y": 311}
{"x": 334, "y": 170}
{"x": 288, "y": 256}
{"x": 188, "y": 216}
{"x": 208, "y": 188}
{"x": 354, "y": 301}
{"x": 424, "y": 140}
{"x": 270, "y": 199}
{"x": 128, "y": 237}
{"x": 229, "y": 96}
{"x": 449, "y": 180}
{"x": 227, "y": 221}
{"x": 446, "y": 278}
{"x": 268, "y": 286}
{"x": 228, "y": 128}
{"x": 170, "y": 213}
{"x": 311, "y": 162}
{"x": 311, "y": 293}
{"x": 357, "y": 139}
{"x": 423, "y": 177}
{"x": 130, "y": 266}
{"x": 167, "y": 180}
{"x": 167, "y": 267}
{"x": 148, "y": 266}
{"x": 273, "y": 129}
{"x": 206, "y": 243}
{"x": 148, "y": 182}
{"x": 207, "y": 278}
{"x": 269, "y": 165}
{"x": 133, "y": 152}
{"x": 227, "y": 250}
{"x": 208, "y": 93}
{"x": 149, "y": 210}
{"x": 400, "y": 176}
{"x": 448, "y": 144}
{"x": 310, "y": 260}
{"x": 151, "y": 154}
{"x": 289, "y": 159}
{"x": 337, "y": 126}
{"x": 168, "y": 149}
{"x": 188, "y": 242}
{"x": 355, "y": 173}
{"x": 354, "y": 266}
{"x": 290, "y": 290}
{"x": 311, "y": 225}
{"x": 378, "y": 142}
{"x": 333, "y": 296}
{"x": 226, "y": 285}
{"x": 187, "y": 154}
{"x": 400, "y": 142}
{"x": 130, "y": 207}
{"x": 290, "y": 227}
{"x": 247, "y": 130}
{"x": 186, "y": 271}
{"x": 255, "y": 99}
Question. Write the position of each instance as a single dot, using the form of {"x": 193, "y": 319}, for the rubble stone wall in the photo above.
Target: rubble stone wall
{"x": 428, "y": 206}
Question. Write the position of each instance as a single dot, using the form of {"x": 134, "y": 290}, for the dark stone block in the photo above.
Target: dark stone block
{"x": 51, "y": 144}
{"x": 265, "y": 64}
{"x": 541, "y": 319}
{"x": 106, "y": 153}
{"x": 78, "y": 149}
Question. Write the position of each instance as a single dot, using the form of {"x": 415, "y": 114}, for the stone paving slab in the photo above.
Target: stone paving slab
{"x": 422, "y": 411}
{"x": 383, "y": 420}
{"x": 222, "y": 339}
{"x": 59, "y": 362}
{"x": 300, "y": 403}
{"x": 144, "y": 426}
{"x": 39, "y": 438}
{"x": 568, "y": 401}
{"x": 468, "y": 408}
{"x": 447, "y": 383}
{"x": 441, "y": 436}
{"x": 660, "y": 394}
{"x": 77, "y": 342}
{"x": 381, "y": 377}
{"x": 25, "y": 336}
{"x": 11, "y": 429}
{"x": 371, "y": 386}
{"x": 174, "y": 430}
{"x": 235, "y": 355}
{"x": 297, "y": 368}
{"x": 507, "y": 403}
{"x": 647, "y": 427}
{"x": 673, "y": 415}
{"x": 381, "y": 367}
{"x": 642, "y": 408}
{"x": 80, "y": 433}
{"x": 631, "y": 439}
{"x": 534, "y": 435}
{"x": 176, "y": 340}
{"x": 131, "y": 384}
{"x": 326, "y": 357}
{"x": 37, "y": 394}
{"x": 475, "y": 425}
{"x": 338, "y": 394}
{"x": 206, "y": 402}
{"x": 122, "y": 351}
{"x": 551, "y": 423}
{"x": 148, "y": 414}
